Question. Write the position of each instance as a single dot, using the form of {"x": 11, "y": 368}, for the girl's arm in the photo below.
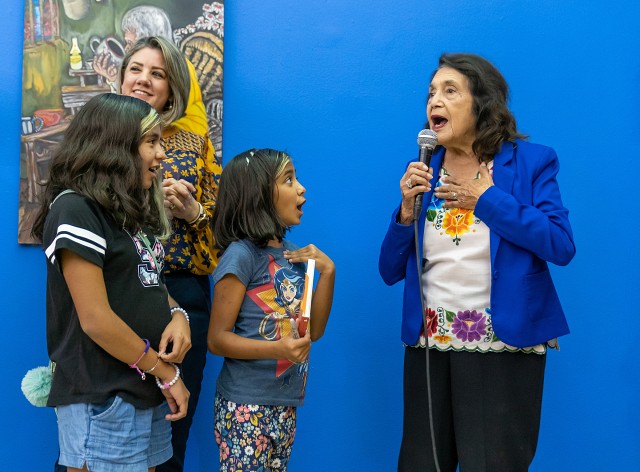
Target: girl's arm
{"x": 178, "y": 332}
{"x": 323, "y": 295}
{"x": 86, "y": 285}
{"x": 228, "y": 295}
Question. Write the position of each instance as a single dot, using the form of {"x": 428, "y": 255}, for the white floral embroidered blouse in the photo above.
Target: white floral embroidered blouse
{"x": 457, "y": 281}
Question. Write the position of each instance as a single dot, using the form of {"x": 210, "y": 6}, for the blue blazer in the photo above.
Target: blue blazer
{"x": 528, "y": 226}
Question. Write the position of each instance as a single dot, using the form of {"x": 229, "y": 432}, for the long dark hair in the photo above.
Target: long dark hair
{"x": 245, "y": 206}
{"x": 99, "y": 159}
{"x": 494, "y": 121}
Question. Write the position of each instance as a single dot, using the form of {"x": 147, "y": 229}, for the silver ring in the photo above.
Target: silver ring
{"x": 455, "y": 196}
{"x": 172, "y": 206}
{"x": 408, "y": 183}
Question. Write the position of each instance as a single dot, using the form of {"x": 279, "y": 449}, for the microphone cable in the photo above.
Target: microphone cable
{"x": 427, "y": 140}
{"x": 426, "y": 337}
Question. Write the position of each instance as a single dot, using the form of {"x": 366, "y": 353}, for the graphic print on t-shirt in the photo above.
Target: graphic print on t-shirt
{"x": 280, "y": 300}
{"x": 151, "y": 257}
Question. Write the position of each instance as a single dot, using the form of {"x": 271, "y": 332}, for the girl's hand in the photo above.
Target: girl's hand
{"x": 177, "y": 332}
{"x": 178, "y": 399}
{"x": 323, "y": 263}
{"x": 295, "y": 349}
{"x": 323, "y": 295}
{"x": 178, "y": 199}
{"x": 464, "y": 193}
{"x": 414, "y": 181}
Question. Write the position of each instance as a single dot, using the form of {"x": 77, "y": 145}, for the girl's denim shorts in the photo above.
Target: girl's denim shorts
{"x": 113, "y": 436}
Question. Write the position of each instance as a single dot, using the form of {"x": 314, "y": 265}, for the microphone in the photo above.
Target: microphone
{"x": 427, "y": 140}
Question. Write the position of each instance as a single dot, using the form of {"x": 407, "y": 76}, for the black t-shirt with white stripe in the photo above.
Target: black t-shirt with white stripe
{"x": 85, "y": 373}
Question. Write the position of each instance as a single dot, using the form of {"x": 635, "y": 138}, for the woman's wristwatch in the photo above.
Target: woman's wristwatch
{"x": 201, "y": 221}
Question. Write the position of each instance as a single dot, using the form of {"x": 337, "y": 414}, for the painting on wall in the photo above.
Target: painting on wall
{"x": 72, "y": 52}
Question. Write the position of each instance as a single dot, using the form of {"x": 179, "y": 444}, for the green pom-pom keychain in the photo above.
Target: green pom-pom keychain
{"x": 36, "y": 384}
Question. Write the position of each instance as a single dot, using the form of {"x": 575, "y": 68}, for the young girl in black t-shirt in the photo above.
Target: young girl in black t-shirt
{"x": 109, "y": 317}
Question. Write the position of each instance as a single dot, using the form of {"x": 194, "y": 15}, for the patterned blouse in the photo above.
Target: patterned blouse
{"x": 189, "y": 157}
{"x": 457, "y": 281}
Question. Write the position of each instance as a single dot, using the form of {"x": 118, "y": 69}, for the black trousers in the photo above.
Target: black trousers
{"x": 193, "y": 293}
{"x": 486, "y": 411}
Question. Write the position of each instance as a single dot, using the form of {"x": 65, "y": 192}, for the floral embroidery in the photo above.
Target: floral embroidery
{"x": 468, "y": 330}
{"x": 469, "y": 325}
{"x": 432, "y": 322}
{"x": 441, "y": 339}
{"x": 456, "y": 222}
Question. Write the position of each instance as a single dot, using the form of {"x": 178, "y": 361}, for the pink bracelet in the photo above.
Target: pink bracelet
{"x": 135, "y": 364}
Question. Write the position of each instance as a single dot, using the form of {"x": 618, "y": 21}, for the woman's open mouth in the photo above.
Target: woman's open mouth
{"x": 438, "y": 122}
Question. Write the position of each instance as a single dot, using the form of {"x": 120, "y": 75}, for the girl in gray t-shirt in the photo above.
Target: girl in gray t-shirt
{"x": 256, "y": 319}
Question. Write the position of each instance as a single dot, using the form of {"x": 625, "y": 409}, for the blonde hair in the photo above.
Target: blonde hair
{"x": 177, "y": 75}
{"x": 149, "y": 122}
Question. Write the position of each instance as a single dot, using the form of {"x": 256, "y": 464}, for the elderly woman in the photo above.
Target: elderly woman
{"x": 481, "y": 296}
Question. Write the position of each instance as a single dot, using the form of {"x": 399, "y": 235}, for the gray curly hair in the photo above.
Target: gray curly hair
{"x": 147, "y": 21}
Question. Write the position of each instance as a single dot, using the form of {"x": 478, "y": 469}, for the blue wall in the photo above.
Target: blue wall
{"x": 341, "y": 86}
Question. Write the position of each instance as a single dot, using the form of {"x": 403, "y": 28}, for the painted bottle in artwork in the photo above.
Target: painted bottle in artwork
{"x": 75, "y": 58}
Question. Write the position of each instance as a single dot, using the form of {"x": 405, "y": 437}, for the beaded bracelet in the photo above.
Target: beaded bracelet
{"x": 180, "y": 309}
{"x": 171, "y": 383}
{"x": 135, "y": 364}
